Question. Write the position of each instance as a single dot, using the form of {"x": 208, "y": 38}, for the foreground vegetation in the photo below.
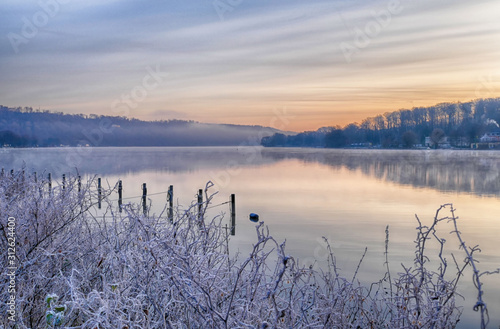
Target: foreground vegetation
{"x": 131, "y": 270}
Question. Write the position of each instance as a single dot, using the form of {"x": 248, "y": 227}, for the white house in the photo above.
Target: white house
{"x": 443, "y": 142}
{"x": 491, "y": 137}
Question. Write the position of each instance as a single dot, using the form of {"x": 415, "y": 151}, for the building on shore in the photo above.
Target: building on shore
{"x": 489, "y": 141}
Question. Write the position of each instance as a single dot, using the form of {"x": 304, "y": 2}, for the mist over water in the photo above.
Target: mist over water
{"x": 475, "y": 172}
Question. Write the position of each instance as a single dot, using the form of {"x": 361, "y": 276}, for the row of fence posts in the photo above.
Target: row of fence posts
{"x": 170, "y": 197}
{"x": 170, "y": 200}
{"x": 49, "y": 179}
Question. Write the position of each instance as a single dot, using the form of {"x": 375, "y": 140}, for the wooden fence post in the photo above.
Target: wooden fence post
{"x": 50, "y": 183}
{"x": 120, "y": 195}
{"x": 35, "y": 176}
{"x": 233, "y": 214}
{"x": 63, "y": 181}
{"x": 144, "y": 195}
{"x": 200, "y": 204}
{"x": 171, "y": 203}
{"x": 99, "y": 193}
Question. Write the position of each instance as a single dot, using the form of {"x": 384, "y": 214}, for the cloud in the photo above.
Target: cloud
{"x": 167, "y": 115}
{"x": 265, "y": 54}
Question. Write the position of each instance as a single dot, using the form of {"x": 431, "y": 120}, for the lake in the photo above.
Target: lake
{"x": 347, "y": 196}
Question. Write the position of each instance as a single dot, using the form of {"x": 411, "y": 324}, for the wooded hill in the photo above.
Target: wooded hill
{"x": 461, "y": 123}
{"x": 25, "y": 127}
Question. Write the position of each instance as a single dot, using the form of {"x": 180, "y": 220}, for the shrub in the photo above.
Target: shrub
{"x": 130, "y": 270}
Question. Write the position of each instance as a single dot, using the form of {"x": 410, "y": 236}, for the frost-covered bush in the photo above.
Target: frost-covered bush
{"x": 130, "y": 270}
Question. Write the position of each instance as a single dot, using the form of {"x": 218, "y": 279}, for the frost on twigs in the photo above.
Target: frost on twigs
{"x": 131, "y": 270}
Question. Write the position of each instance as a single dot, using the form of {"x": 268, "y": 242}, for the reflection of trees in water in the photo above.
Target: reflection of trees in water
{"x": 475, "y": 172}
{"x": 463, "y": 175}
{"x": 444, "y": 170}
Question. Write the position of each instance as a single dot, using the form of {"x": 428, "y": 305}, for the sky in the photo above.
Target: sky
{"x": 294, "y": 65}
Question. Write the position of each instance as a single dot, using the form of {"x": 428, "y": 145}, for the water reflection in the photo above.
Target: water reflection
{"x": 474, "y": 172}
{"x": 304, "y": 194}
{"x": 444, "y": 170}
{"x": 127, "y": 160}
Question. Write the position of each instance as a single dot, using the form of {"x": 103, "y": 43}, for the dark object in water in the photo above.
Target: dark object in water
{"x": 254, "y": 217}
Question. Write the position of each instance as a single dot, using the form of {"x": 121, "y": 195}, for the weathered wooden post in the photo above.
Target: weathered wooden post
{"x": 200, "y": 204}
{"x": 35, "y": 177}
{"x": 171, "y": 203}
{"x": 120, "y": 195}
{"x": 233, "y": 215}
{"x": 79, "y": 183}
{"x": 36, "y": 182}
{"x": 64, "y": 181}
{"x": 99, "y": 193}
{"x": 50, "y": 183}
{"x": 144, "y": 195}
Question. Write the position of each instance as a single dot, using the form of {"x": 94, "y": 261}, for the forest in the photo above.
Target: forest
{"x": 459, "y": 123}
{"x": 26, "y": 127}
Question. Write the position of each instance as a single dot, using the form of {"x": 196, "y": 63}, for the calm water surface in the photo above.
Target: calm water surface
{"x": 348, "y": 196}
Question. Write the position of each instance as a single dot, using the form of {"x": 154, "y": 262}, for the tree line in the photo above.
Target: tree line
{"x": 461, "y": 123}
{"x": 25, "y": 127}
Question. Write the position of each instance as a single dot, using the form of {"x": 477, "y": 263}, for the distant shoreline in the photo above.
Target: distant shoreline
{"x": 255, "y": 145}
